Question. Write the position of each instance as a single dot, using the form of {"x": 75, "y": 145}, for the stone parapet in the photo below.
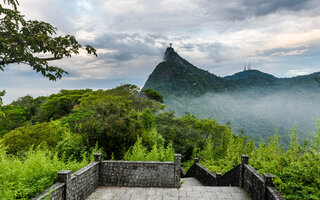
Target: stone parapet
{"x": 258, "y": 186}
{"x": 137, "y": 174}
{"x": 79, "y": 185}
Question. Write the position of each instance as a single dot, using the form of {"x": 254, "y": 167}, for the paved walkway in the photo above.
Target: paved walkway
{"x": 190, "y": 189}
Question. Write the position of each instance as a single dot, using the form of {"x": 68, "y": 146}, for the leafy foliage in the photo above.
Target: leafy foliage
{"x": 25, "y": 177}
{"x": 138, "y": 152}
{"x": 23, "y": 138}
{"x": 152, "y": 94}
{"x": 61, "y": 104}
{"x": 22, "y": 41}
{"x": 13, "y": 117}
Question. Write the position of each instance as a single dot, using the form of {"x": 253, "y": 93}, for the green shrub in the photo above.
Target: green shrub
{"x": 23, "y": 178}
{"x": 138, "y": 152}
{"x": 22, "y": 138}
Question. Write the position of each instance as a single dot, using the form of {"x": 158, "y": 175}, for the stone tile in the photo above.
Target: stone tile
{"x": 122, "y": 196}
{"x": 159, "y": 190}
{"x": 209, "y": 194}
{"x": 240, "y": 196}
{"x": 170, "y": 198}
{"x": 185, "y": 198}
{"x": 193, "y": 198}
{"x": 193, "y": 194}
{"x": 213, "y": 189}
{"x": 138, "y": 197}
{"x": 150, "y": 191}
{"x": 198, "y": 188}
{"x": 182, "y": 193}
{"x": 190, "y": 181}
{"x": 223, "y": 195}
{"x": 155, "y": 197}
{"x": 236, "y": 190}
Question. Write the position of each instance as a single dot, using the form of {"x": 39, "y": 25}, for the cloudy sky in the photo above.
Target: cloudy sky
{"x": 281, "y": 37}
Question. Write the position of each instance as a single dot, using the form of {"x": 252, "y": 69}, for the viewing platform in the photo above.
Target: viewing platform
{"x": 152, "y": 180}
{"x": 190, "y": 189}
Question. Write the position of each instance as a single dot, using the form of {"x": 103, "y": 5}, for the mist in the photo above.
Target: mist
{"x": 257, "y": 114}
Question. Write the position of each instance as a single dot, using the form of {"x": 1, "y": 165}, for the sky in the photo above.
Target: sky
{"x": 280, "y": 37}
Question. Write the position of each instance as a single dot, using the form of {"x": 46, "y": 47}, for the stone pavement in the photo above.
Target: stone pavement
{"x": 190, "y": 189}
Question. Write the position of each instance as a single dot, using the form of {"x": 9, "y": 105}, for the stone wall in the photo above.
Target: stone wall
{"x": 78, "y": 185}
{"x": 231, "y": 178}
{"x": 55, "y": 192}
{"x": 273, "y": 194}
{"x": 140, "y": 174}
{"x": 258, "y": 186}
{"x": 207, "y": 178}
{"x": 82, "y": 183}
{"x": 253, "y": 183}
{"x": 202, "y": 174}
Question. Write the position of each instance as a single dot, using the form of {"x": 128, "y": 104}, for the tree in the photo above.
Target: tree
{"x": 152, "y": 94}
{"x": 2, "y": 93}
{"x": 23, "y": 41}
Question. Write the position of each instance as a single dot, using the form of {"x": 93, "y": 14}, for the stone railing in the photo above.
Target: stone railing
{"x": 82, "y": 183}
{"x": 205, "y": 176}
{"x": 257, "y": 186}
{"x": 140, "y": 174}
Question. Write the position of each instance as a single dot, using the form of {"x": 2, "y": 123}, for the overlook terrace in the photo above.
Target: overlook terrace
{"x": 160, "y": 180}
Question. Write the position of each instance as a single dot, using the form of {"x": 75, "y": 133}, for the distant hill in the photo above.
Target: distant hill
{"x": 177, "y": 77}
{"x": 253, "y": 102}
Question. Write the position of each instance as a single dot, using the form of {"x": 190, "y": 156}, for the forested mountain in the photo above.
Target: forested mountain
{"x": 254, "y": 102}
{"x": 177, "y": 77}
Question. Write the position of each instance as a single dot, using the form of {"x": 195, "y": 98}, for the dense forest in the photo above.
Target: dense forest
{"x": 40, "y": 136}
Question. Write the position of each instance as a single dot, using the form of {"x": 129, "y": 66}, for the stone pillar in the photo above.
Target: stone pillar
{"x": 195, "y": 160}
{"x": 244, "y": 161}
{"x": 218, "y": 177}
{"x": 268, "y": 178}
{"x": 183, "y": 173}
{"x": 177, "y": 170}
{"x": 64, "y": 176}
{"x": 97, "y": 157}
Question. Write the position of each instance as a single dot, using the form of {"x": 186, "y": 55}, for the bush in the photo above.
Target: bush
{"x": 22, "y": 138}
{"x": 158, "y": 153}
{"x": 23, "y": 178}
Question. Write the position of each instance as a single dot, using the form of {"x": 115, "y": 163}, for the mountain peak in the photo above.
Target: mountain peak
{"x": 170, "y": 54}
{"x": 176, "y": 76}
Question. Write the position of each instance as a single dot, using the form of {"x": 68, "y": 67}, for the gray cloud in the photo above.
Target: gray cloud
{"x": 237, "y": 10}
{"x": 126, "y": 46}
{"x": 284, "y": 51}
{"x": 279, "y": 36}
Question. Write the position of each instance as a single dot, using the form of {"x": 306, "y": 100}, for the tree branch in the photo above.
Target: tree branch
{"x": 15, "y": 61}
